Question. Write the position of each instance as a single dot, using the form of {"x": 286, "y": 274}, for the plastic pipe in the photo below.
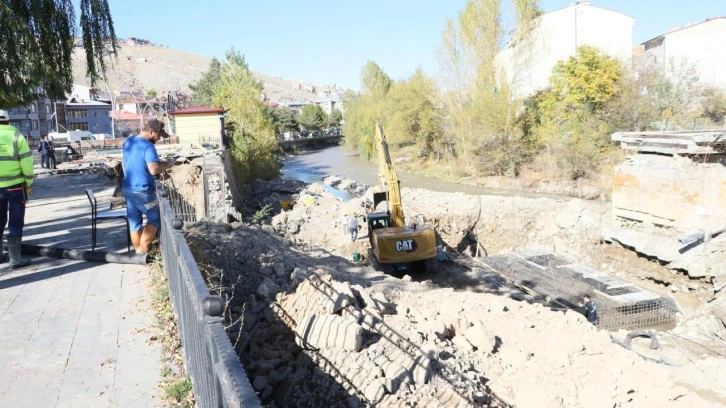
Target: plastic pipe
{"x": 85, "y": 255}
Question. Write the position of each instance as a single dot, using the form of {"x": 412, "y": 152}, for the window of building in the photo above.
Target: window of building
{"x": 35, "y": 124}
{"x": 79, "y": 126}
{"x": 77, "y": 113}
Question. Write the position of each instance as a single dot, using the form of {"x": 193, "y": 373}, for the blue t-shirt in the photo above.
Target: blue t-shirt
{"x": 138, "y": 153}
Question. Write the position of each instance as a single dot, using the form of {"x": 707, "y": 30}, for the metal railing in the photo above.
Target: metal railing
{"x": 218, "y": 378}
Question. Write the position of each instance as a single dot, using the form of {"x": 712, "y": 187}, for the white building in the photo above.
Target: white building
{"x": 557, "y": 35}
{"x": 330, "y": 102}
{"x": 701, "y": 46}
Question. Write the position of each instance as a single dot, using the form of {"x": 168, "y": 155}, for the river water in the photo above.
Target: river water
{"x": 312, "y": 166}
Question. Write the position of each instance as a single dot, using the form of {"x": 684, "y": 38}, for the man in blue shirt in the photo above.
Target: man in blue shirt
{"x": 140, "y": 164}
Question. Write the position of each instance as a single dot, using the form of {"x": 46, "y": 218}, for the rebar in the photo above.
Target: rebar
{"x": 620, "y": 304}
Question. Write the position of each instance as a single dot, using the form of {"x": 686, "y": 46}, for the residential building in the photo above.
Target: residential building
{"x": 34, "y": 120}
{"x": 84, "y": 111}
{"x": 330, "y": 102}
{"x": 701, "y": 47}
{"x": 126, "y": 123}
{"x": 557, "y": 35}
{"x": 198, "y": 125}
{"x": 295, "y": 106}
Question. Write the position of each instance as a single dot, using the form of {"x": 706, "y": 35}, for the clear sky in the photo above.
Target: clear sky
{"x": 329, "y": 42}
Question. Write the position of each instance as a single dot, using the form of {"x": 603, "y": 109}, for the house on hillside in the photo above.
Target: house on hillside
{"x": 557, "y": 35}
{"x": 330, "y": 102}
{"x": 198, "y": 125}
{"x": 296, "y": 106}
{"x": 701, "y": 46}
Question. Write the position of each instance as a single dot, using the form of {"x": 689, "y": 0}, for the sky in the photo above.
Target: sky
{"x": 329, "y": 42}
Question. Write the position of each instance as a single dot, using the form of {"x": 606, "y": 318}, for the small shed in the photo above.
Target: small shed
{"x": 198, "y": 125}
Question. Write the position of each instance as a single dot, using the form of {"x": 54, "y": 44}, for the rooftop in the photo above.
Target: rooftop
{"x": 191, "y": 110}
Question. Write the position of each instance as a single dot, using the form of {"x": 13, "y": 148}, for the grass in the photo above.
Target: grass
{"x": 179, "y": 392}
{"x": 177, "y": 387}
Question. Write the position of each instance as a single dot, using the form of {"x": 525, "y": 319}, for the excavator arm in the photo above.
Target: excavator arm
{"x": 389, "y": 181}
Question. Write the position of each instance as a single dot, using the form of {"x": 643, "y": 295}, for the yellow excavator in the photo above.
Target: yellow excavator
{"x": 392, "y": 241}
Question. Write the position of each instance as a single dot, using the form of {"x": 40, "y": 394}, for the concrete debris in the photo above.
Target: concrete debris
{"x": 320, "y": 330}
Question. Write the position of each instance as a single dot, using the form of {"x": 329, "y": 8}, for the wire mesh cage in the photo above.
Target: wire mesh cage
{"x": 621, "y": 305}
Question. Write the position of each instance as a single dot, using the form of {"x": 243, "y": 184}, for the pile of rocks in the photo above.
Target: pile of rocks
{"x": 314, "y": 329}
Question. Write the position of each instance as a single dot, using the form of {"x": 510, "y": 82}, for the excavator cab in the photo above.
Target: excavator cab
{"x": 377, "y": 220}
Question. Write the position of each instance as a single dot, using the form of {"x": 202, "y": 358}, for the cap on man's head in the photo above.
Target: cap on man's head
{"x": 157, "y": 126}
{"x": 4, "y": 117}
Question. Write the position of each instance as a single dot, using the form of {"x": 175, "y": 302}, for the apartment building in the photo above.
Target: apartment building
{"x": 34, "y": 120}
{"x": 84, "y": 110}
{"x": 701, "y": 47}
{"x": 556, "y": 37}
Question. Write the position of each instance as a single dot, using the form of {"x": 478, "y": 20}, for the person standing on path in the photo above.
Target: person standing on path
{"x": 44, "y": 150}
{"x": 51, "y": 152}
{"x": 590, "y": 309}
{"x": 16, "y": 177}
{"x": 353, "y": 226}
{"x": 140, "y": 164}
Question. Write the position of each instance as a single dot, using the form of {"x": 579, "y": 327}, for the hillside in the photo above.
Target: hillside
{"x": 166, "y": 69}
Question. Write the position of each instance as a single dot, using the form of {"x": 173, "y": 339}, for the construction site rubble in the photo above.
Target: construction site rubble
{"x": 313, "y": 327}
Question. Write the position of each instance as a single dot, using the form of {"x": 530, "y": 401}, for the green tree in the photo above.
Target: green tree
{"x": 313, "y": 117}
{"x": 585, "y": 83}
{"x": 375, "y": 81}
{"x": 713, "y": 104}
{"x": 204, "y": 89}
{"x": 414, "y": 116}
{"x": 365, "y": 109}
{"x": 361, "y": 113}
{"x": 571, "y": 115}
{"x": 151, "y": 93}
{"x": 254, "y": 142}
{"x": 335, "y": 118}
{"x": 283, "y": 119}
{"x": 480, "y": 111}
{"x": 38, "y": 38}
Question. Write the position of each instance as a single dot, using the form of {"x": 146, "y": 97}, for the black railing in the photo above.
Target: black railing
{"x": 217, "y": 375}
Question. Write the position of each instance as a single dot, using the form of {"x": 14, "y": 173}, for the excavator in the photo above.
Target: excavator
{"x": 393, "y": 243}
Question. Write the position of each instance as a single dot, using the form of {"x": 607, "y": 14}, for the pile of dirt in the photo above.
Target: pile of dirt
{"x": 315, "y": 329}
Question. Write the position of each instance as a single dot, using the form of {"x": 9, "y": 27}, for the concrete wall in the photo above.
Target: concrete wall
{"x": 672, "y": 192}
{"x": 198, "y": 128}
{"x": 556, "y": 38}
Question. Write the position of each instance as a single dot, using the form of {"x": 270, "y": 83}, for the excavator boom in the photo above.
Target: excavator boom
{"x": 389, "y": 179}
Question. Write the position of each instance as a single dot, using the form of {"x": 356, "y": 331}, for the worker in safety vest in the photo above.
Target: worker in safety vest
{"x": 16, "y": 177}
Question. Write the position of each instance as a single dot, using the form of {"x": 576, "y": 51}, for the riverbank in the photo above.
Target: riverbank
{"x": 298, "y": 264}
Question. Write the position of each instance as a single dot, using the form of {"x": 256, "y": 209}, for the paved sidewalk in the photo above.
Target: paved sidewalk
{"x": 76, "y": 333}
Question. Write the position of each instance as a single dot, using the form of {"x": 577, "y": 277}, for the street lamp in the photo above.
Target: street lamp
{"x": 113, "y": 103}
{"x": 148, "y": 108}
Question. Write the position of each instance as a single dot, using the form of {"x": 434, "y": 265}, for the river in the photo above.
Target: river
{"x": 312, "y": 166}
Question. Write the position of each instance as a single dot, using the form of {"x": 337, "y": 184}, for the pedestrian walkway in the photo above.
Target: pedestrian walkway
{"x": 76, "y": 333}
